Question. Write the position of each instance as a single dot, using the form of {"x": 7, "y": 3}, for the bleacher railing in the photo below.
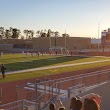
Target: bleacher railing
{"x": 20, "y": 105}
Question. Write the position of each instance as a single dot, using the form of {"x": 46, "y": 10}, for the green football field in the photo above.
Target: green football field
{"x": 15, "y": 62}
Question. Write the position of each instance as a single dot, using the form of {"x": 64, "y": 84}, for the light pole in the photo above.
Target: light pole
{"x": 56, "y": 34}
{"x": 49, "y": 35}
{"x": 98, "y": 34}
{"x": 65, "y": 39}
{"x": 55, "y": 40}
{"x": 50, "y": 41}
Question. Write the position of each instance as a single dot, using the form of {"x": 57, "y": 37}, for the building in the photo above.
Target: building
{"x": 69, "y": 42}
{"x": 44, "y": 43}
{"x": 105, "y": 37}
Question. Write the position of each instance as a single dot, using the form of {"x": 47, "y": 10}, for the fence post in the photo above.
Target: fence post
{"x": 58, "y": 85}
{"x": 23, "y": 104}
{"x": 36, "y": 90}
{"x": 99, "y": 80}
{"x": 68, "y": 92}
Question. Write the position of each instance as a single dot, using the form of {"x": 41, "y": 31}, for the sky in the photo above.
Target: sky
{"x": 80, "y": 18}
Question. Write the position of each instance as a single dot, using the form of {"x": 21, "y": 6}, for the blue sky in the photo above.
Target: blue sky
{"x": 79, "y": 18}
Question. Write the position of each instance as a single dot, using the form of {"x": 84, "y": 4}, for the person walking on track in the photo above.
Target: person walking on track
{"x": 3, "y": 69}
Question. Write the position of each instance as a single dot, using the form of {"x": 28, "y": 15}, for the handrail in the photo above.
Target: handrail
{"x": 59, "y": 80}
{"x": 19, "y": 105}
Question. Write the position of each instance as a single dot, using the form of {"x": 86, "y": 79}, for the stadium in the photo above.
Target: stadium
{"x": 34, "y": 80}
{"x": 54, "y": 55}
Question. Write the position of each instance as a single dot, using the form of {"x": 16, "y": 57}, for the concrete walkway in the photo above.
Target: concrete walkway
{"x": 59, "y": 66}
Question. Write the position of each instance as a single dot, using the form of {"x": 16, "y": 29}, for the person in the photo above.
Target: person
{"x": 52, "y": 106}
{"x": 27, "y": 54}
{"x": 90, "y": 104}
{"x": 3, "y": 68}
{"x": 62, "y": 108}
{"x": 37, "y": 54}
{"x": 78, "y": 105}
{"x": 32, "y": 54}
{"x": 72, "y": 103}
{"x": 94, "y": 96}
{"x": 1, "y": 54}
{"x": 97, "y": 98}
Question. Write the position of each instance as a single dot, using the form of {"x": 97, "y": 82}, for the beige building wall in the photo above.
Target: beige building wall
{"x": 40, "y": 43}
{"x": 17, "y": 43}
{"x": 69, "y": 42}
{"x": 78, "y": 43}
{"x": 44, "y": 43}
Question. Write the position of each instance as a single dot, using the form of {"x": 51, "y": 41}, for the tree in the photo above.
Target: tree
{"x": 22, "y": 37}
{"x": 31, "y": 32}
{"x": 1, "y": 32}
{"x": 41, "y": 32}
{"x": 49, "y": 33}
{"x": 7, "y": 34}
{"x": 27, "y": 33}
{"x": 56, "y": 33}
{"x": 65, "y": 35}
{"x": 43, "y": 35}
{"x": 38, "y": 32}
{"x": 15, "y": 33}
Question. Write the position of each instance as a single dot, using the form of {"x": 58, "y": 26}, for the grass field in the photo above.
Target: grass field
{"x": 20, "y": 62}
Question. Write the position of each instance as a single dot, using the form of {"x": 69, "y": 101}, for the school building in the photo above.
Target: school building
{"x": 44, "y": 43}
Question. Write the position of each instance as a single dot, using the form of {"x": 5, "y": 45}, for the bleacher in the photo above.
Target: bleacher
{"x": 42, "y": 93}
{"x": 103, "y": 90}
